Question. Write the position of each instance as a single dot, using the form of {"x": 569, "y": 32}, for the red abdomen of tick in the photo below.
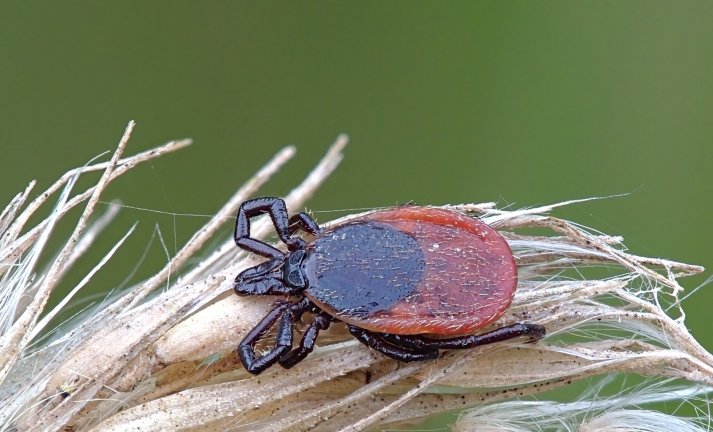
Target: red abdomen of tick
{"x": 412, "y": 270}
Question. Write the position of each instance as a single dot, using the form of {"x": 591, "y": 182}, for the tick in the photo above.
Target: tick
{"x": 407, "y": 281}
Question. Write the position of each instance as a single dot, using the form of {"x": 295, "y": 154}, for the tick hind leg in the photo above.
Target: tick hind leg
{"x": 531, "y": 331}
{"x": 395, "y": 351}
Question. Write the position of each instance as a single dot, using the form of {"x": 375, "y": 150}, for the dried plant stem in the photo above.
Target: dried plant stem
{"x": 103, "y": 355}
{"x": 11, "y": 253}
{"x": 166, "y": 361}
{"x": 15, "y": 341}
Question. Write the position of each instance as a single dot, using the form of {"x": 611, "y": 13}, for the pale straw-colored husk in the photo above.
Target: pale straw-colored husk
{"x": 161, "y": 355}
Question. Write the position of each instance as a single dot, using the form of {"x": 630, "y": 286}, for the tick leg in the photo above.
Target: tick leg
{"x": 303, "y": 221}
{"x": 320, "y": 322}
{"x": 261, "y": 248}
{"x": 277, "y": 210}
{"x": 402, "y": 353}
{"x": 261, "y": 286}
{"x": 246, "y": 349}
{"x": 532, "y": 331}
{"x": 255, "y": 280}
{"x": 244, "y": 282}
{"x": 259, "y": 270}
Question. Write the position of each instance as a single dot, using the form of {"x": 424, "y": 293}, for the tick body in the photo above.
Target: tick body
{"x": 407, "y": 281}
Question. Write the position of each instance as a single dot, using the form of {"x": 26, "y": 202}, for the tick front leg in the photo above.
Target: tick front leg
{"x": 277, "y": 210}
{"x": 402, "y": 353}
{"x": 283, "y": 344}
{"x": 261, "y": 248}
{"x": 320, "y": 322}
{"x": 266, "y": 285}
{"x": 303, "y": 221}
{"x": 257, "y": 280}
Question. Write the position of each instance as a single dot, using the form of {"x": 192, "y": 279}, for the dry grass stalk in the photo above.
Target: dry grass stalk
{"x": 166, "y": 361}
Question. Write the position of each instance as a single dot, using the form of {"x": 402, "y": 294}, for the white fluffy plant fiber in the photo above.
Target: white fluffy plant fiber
{"x": 148, "y": 360}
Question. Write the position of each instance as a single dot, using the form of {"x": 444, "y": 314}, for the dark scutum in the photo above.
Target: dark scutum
{"x": 363, "y": 268}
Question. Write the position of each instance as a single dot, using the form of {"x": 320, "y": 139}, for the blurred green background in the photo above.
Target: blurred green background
{"x": 524, "y": 103}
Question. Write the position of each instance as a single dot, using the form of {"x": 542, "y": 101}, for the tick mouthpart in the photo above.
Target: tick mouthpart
{"x": 292, "y": 271}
